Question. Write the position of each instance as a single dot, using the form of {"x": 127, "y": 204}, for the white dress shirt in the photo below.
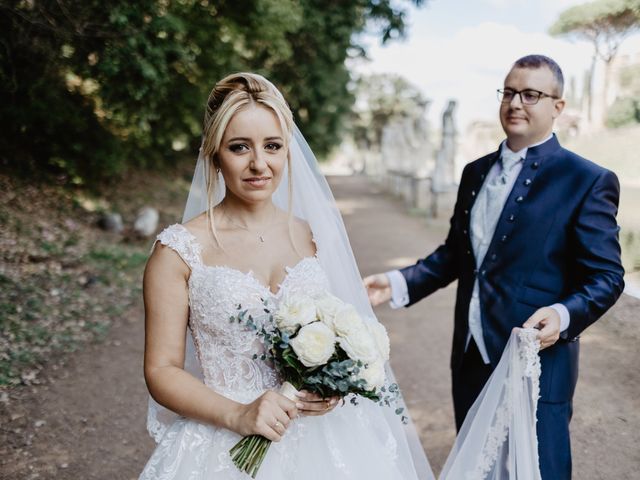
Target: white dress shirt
{"x": 484, "y": 218}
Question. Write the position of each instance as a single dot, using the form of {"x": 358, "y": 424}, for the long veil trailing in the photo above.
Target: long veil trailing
{"x": 498, "y": 439}
{"x": 313, "y": 202}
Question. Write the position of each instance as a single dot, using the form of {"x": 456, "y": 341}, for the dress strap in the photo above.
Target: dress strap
{"x": 182, "y": 241}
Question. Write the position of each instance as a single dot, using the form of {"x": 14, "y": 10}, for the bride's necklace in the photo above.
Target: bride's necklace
{"x": 260, "y": 234}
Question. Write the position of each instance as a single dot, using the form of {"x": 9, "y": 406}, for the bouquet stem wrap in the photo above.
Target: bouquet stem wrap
{"x": 249, "y": 452}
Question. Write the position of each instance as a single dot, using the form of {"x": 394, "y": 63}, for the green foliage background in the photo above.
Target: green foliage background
{"x": 91, "y": 88}
{"x": 626, "y": 109}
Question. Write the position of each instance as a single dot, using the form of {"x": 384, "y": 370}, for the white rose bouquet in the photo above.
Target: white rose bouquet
{"x": 319, "y": 344}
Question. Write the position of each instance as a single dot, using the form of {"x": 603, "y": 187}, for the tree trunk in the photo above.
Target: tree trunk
{"x": 588, "y": 91}
{"x": 605, "y": 89}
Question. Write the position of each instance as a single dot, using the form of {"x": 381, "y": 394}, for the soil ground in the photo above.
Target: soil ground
{"x": 86, "y": 417}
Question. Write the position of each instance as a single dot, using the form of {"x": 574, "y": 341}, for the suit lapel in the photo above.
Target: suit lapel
{"x": 509, "y": 216}
{"x": 477, "y": 176}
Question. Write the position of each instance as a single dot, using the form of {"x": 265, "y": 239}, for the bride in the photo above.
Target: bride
{"x": 260, "y": 224}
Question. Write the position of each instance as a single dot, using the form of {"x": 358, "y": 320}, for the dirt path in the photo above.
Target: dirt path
{"x": 86, "y": 419}
{"x": 606, "y": 422}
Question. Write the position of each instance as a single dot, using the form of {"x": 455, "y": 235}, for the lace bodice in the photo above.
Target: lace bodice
{"x": 226, "y": 349}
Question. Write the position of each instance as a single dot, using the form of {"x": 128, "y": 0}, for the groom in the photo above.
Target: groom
{"x": 533, "y": 242}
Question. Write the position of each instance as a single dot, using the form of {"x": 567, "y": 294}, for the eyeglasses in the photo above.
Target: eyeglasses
{"x": 527, "y": 96}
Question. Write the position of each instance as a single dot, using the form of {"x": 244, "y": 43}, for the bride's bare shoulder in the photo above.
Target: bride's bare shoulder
{"x": 303, "y": 236}
{"x": 197, "y": 224}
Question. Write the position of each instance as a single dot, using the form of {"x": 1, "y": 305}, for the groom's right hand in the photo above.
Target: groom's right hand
{"x": 378, "y": 288}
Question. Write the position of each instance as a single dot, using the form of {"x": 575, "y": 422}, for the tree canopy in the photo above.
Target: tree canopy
{"x": 381, "y": 99}
{"x": 605, "y": 23}
{"x": 90, "y": 88}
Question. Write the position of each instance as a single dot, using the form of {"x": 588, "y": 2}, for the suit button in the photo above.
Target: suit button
{"x": 494, "y": 256}
{"x": 466, "y": 212}
{"x": 473, "y": 193}
{"x": 520, "y": 199}
{"x": 465, "y": 231}
{"x": 527, "y": 182}
{"x": 535, "y": 165}
{"x": 483, "y": 273}
{"x": 504, "y": 238}
{"x": 511, "y": 218}
{"x": 482, "y": 177}
{"x": 468, "y": 252}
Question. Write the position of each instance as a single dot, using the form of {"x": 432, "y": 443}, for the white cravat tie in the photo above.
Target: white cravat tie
{"x": 508, "y": 160}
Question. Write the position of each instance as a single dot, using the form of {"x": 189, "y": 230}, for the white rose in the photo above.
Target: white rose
{"x": 328, "y": 307}
{"x": 381, "y": 338}
{"x": 314, "y": 344}
{"x": 347, "y": 322}
{"x": 373, "y": 374}
{"x": 360, "y": 345}
{"x": 295, "y": 312}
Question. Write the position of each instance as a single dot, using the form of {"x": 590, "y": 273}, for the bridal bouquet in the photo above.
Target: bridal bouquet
{"x": 319, "y": 344}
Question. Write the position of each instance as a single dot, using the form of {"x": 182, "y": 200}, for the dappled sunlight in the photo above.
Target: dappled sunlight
{"x": 399, "y": 262}
{"x": 350, "y": 206}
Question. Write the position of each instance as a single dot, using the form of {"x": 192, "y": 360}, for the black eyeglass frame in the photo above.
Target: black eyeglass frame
{"x": 501, "y": 92}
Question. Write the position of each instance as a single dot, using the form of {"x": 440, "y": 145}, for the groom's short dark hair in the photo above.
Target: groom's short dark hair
{"x": 539, "y": 61}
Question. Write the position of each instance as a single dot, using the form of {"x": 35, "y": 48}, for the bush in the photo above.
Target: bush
{"x": 88, "y": 89}
{"x": 624, "y": 111}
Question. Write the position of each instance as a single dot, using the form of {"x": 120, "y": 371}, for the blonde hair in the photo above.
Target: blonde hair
{"x": 228, "y": 97}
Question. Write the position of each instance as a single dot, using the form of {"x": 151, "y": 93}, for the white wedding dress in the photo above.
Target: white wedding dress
{"x": 350, "y": 442}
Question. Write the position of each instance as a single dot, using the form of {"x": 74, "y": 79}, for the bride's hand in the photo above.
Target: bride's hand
{"x": 269, "y": 415}
{"x": 314, "y": 405}
{"x": 378, "y": 288}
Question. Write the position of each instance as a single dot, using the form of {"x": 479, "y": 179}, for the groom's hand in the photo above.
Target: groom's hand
{"x": 378, "y": 288}
{"x": 547, "y": 320}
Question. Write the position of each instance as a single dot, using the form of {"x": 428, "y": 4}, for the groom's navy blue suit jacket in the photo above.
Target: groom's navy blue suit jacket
{"x": 556, "y": 241}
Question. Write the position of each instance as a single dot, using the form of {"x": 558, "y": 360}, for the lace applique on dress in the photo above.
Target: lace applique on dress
{"x": 180, "y": 240}
{"x": 227, "y": 350}
{"x": 229, "y": 354}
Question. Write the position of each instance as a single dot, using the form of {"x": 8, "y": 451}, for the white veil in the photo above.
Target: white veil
{"x": 313, "y": 202}
{"x": 498, "y": 440}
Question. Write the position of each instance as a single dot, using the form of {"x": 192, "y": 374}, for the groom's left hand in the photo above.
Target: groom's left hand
{"x": 547, "y": 320}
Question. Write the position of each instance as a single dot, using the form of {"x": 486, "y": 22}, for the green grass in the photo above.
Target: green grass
{"x": 35, "y": 325}
{"x": 117, "y": 257}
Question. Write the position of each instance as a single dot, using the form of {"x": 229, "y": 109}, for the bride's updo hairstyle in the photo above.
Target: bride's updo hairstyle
{"x": 228, "y": 97}
{"x": 233, "y": 93}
